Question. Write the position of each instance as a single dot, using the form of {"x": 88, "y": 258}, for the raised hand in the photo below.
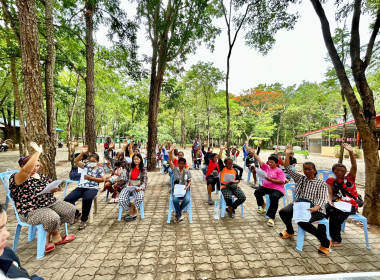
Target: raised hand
{"x": 347, "y": 147}
{"x": 172, "y": 147}
{"x": 288, "y": 149}
{"x": 125, "y": 142}
{"x": 260, "y": 141}
{"x": 35, "y": 147}
{"x": 84, "y": 149}
{"x": 222, "y": 147}
{"x": 75, "y": 143}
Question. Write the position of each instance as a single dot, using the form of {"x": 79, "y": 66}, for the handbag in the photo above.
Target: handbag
{"x": 359, "y": 200}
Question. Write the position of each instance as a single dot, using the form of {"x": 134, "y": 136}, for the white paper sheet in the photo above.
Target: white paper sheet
{"x": 261, "y": 174}
{"x": 229, "y": 178}
{"x": 179, "y": 190}
{"x": 300, "y": 212}
{"x": 83, "y": 172}
{"x": 53, "y": 185}
{"x": 343, "y": 206}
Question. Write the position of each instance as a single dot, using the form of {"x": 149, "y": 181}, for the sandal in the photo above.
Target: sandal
{"x": 66, "y": 239}
{"x": 285, "y": 235}
{"x": 324, "y": 251}
{"x": 270, "y": 223}
{"x": 49, "y": 249}
{"x": 130, "y": 218}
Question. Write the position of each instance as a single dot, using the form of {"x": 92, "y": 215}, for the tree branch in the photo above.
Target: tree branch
{"x": 355, "y": 37}
{"x": 372, "y": 39}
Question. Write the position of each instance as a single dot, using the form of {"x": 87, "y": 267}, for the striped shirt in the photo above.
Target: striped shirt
{"x": 315, "y": 190}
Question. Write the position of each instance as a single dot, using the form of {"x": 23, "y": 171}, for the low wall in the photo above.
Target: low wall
{"x": 330, "y": 152}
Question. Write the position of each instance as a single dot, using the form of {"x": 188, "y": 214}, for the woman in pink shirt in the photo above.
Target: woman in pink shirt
{"x": 273, "y": 186}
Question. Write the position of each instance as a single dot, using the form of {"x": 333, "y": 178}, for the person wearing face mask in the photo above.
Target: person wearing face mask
{"x": 341, "y": 189}
{"x": 182, "y": 176}
{"x": 88, "y": 189}
{"x": 308, "y": 189}
{"x": 135, "y": 185}
{"x": 273, "y": 186}
{"x": 10, "y": 266}
{"x": 36, "y": 209}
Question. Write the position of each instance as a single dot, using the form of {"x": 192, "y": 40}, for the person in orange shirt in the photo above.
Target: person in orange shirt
{"x": 229, "y": 187}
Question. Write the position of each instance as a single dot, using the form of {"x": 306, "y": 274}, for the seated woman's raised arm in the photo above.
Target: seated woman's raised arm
{"x": 27, "y": 169}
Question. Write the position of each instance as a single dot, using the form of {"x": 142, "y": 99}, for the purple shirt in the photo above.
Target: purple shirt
{"x": 276, "y": 174}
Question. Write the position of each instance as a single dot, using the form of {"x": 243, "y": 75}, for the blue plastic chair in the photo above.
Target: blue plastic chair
{"x": 259, "y": 181}
{"x": 141, "y": 210}
{"x": 41, "y": 233}
{"x": 291, "y": 187}
{"x": 301, "y": 233}
{"x": 223, "y": 205}
{"x": 326, "y": 174}
{"x": 357, "y": 217}
{"x": 187, "y": 208}
{"x": 4, "y": 177}
{"x": 268, "y": 202}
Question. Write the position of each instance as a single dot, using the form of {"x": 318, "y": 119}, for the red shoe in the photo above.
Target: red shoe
{"x": 49, "y": 249}
{"x": 66, "y": 239}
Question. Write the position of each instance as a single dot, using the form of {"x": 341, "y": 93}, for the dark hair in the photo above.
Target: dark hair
{"x": 312, "y": 164}
{"x": 141, "y": 165}
{"x": 181, "y": 152}
{"x": 213, "y": 155}
{"x": 337, "y": 165}
{"x": 228, "y": 159}
{"x": 1, "y": 208}
{"x": 23, "y": 160}
{"x": 274, "y": 158}
{"x": 175, "y": 151}
{"x": 209, "y": 149}
{"x": 83, "y": 158}
{"x": 182, "y": 160}
{"x": 118, "y": 163}
{"x": 96, "y": 156}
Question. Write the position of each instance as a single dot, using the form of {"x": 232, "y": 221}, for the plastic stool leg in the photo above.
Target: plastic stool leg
{"x": 170, "y": 209}
{"x": 366, "y": 233}
{"x": 267, "y": 204}
{"x": 300, "y": 238}
{"x": 66, "y": 229}
{"x": 142, "y": 210}
{"x": 249, "y": 176}
{"x": 107, "y": 195}
{"x": 91, "y": 216}
{"x": 190, "y": 212}
{"x": 120, "y": 213}
{"x": 242, "y": 210}
{"x": 32, "y": 233}
{"x": 343, "y": 226}
{"x": 222, "y": 205}
{"x": 17, "y": 236}
{"x": 41, "y": 240}
{"x": 6, "y": 204}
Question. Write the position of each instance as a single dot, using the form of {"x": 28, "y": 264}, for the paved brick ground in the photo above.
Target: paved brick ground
{"x": 216, "y": 249}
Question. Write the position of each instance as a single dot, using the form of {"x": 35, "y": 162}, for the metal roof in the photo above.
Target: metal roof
{"x": 350, "y": 125}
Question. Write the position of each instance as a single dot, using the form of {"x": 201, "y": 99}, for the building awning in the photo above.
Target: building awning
{"x": 350, "y": 125}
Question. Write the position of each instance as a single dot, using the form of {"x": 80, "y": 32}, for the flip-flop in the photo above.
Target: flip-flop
{"x": 285, "y": 235}
{"x": 49, "y": 249}
{"x": 66, "y": 239}
{"x": 324, "y": 251}
{"x": 270, "y": 223}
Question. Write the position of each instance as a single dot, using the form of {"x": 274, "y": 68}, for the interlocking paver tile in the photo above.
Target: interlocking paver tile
{"x": 150, "y": 248}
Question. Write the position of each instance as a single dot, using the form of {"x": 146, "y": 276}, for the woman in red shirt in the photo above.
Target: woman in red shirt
{"x": 341, "y": 189}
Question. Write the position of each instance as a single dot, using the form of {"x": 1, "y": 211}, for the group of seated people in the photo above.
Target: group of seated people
{"x": 320, "y": 194}
{"x": 129, "y": 181}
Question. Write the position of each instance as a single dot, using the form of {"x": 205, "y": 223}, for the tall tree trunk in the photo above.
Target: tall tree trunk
{"x": 228, "y": 102}
{"x": 31, "y": 68}
{"x": 69, "y": 124}
{"x": 364, "y": 115}
{"x": 90, "y": 125}
{"x": 183, "y": 130}
{"x": 49, "y": 73}
{"x": 344, "y": 127}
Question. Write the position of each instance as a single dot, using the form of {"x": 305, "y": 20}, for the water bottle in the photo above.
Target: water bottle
{"x": 216, "y": 210}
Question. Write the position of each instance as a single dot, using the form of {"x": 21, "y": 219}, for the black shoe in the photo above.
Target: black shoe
{"x": 130, "y": 218}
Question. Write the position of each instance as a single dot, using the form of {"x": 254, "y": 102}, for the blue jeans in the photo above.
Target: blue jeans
{"x": 185, "y": 202}
{"x": 87, "y": 196}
